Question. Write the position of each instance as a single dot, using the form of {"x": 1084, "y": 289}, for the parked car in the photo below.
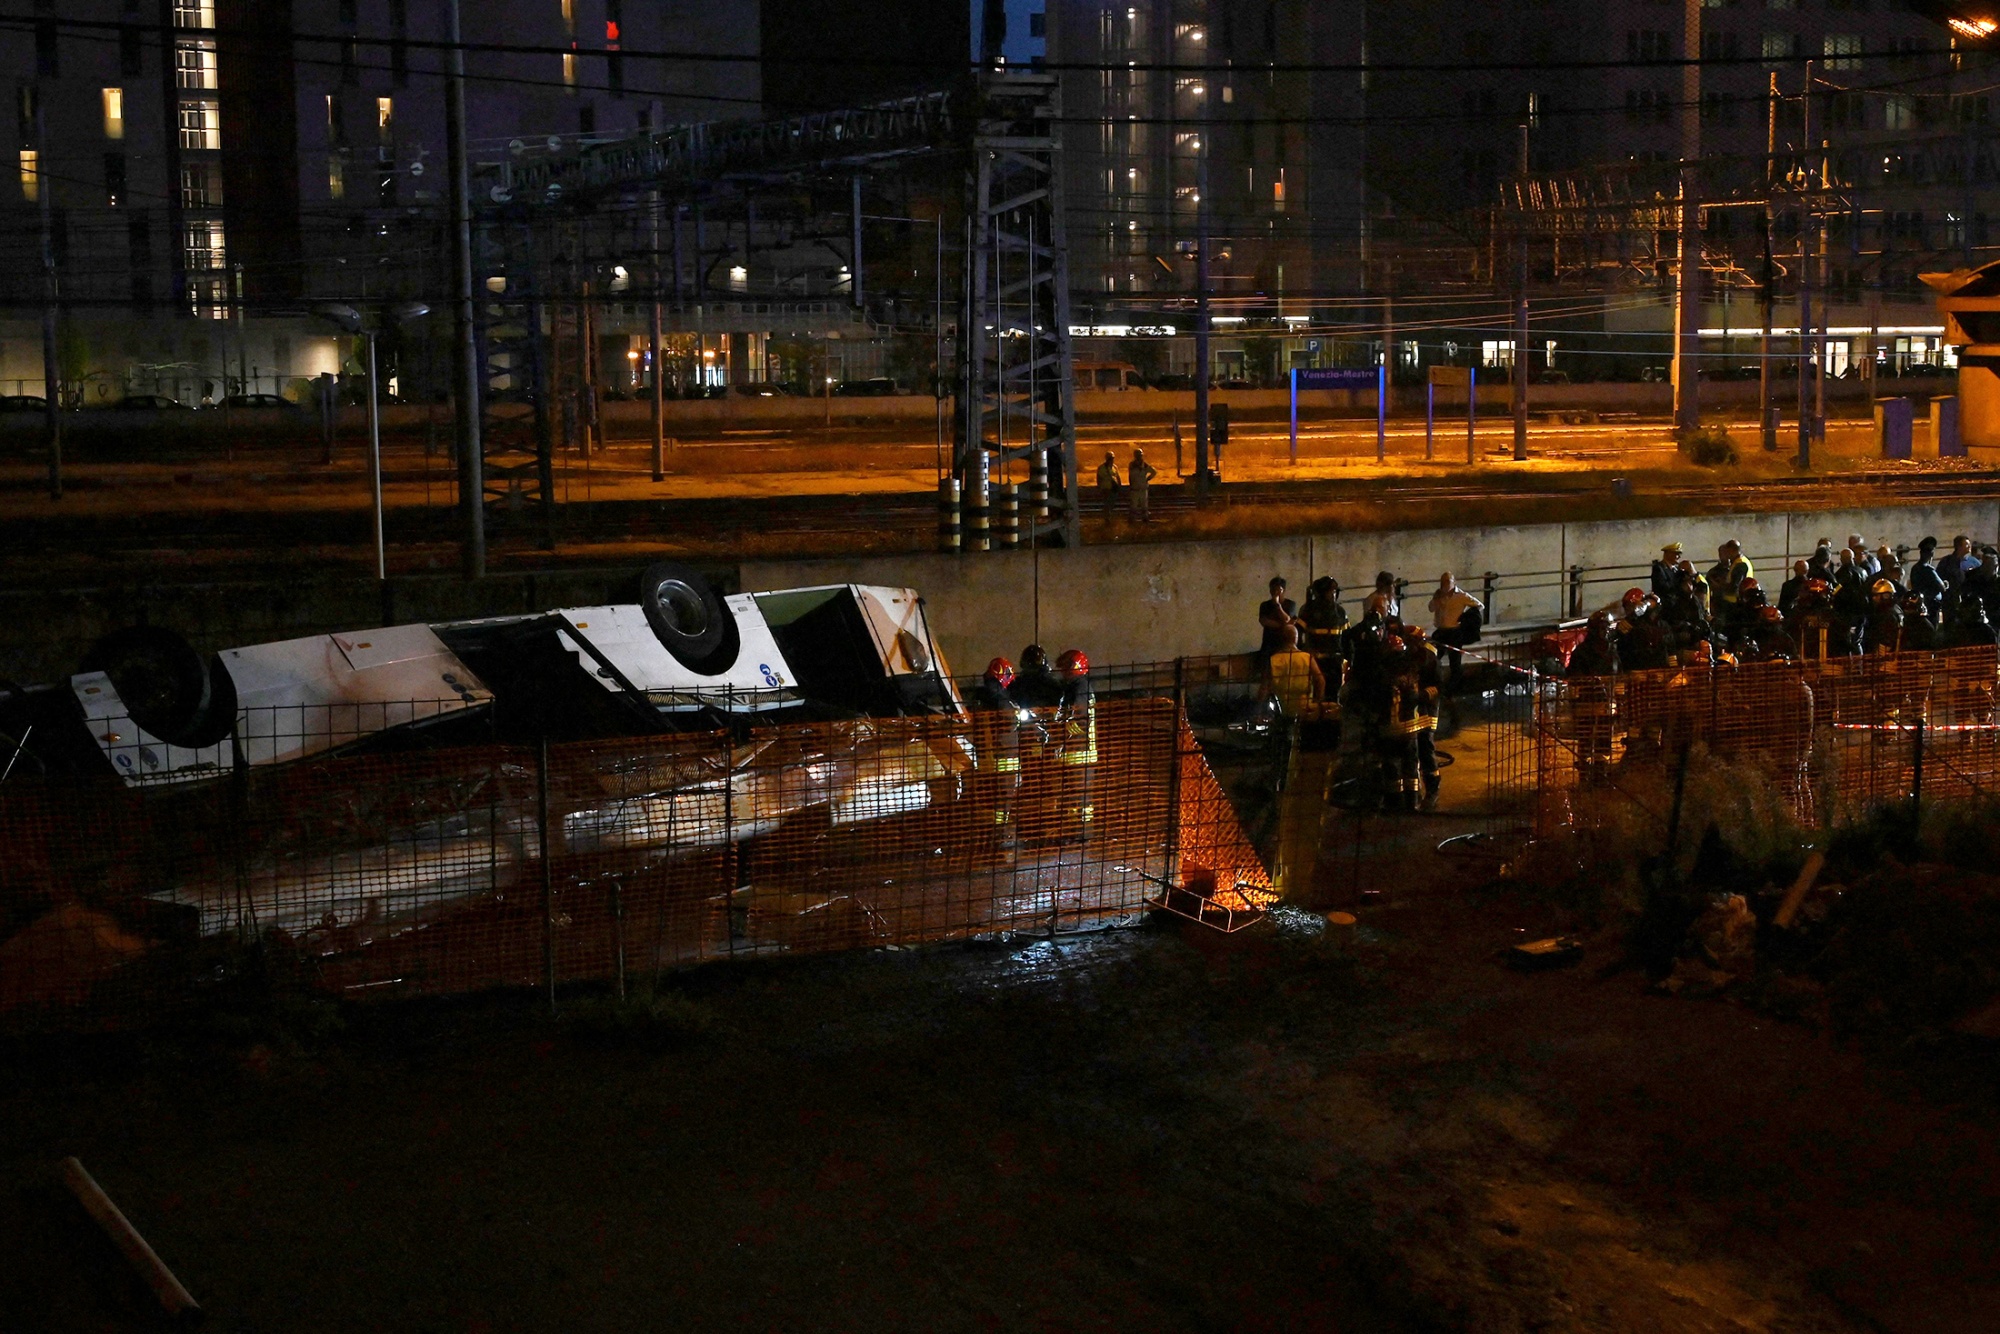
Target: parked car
{"x": 1923, "y": 370}
{"x": 261, "y": 402}
{"x": 1173, "y": 382}
{"x": 23, "y": 403}
{"x": 148, "y": 403}
{"x": 880, "y": 386}
{"x": 763, "y": 389}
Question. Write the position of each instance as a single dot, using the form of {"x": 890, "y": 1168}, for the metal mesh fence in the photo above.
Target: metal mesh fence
{"x": 1827, "y": 741}
{"x": 483, "y": 865}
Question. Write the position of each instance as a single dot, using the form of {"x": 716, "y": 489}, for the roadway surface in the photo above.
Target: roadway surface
{"x": 189, "y": 507}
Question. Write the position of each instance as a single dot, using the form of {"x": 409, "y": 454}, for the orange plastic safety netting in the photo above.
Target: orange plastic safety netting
{"x": 458, "y": 869}
{"x": 1824, "y": 741}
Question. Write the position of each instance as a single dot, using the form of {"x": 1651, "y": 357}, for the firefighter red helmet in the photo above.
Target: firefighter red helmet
{"x": 1073, "y": 662}
{"x": 1770, "y": 615}
{"x": 1750, "y": 585}
{"x": 1633, "y": 597}
{"x": 1413, "y": 634}
{"x": 1393, "y": 643}
{"x": 1000, "y": 671}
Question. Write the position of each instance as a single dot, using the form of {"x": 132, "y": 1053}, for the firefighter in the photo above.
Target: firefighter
{"x": 1817, "y": 630}
{"x": 1920, "y": 633}
{"x": 1325, "y": 620}
{"x": 1430, "y": 691}
{"x": 1036, "y": 687}
{"x": 1769, "y": 641}
{"x": 1750, "y": 601}
{"x": 1642, "y": 634}
{"x": 1402, "y": 722}
{"x": 996, "y": 724}
{"x": 1592, "y": 666}
{"x": 1882, "y": 631}
{"x": 1075, "y": 738}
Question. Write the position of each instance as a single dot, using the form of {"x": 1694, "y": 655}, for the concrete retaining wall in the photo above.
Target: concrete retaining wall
{"x": 1119, "y": 603}
{"x": 1152, "y": 602}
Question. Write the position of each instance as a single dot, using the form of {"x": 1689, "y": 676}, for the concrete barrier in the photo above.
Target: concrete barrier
{"x": 1145, "y": 602}
{"x": 1124, "y": 603}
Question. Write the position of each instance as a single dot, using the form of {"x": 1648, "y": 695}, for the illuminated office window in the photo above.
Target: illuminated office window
{"x": 31, "y": 175}
{"x": 114, "y": 113}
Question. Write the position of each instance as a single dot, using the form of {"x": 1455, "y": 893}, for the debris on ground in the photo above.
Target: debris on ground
{"x": 1554, "y": 952}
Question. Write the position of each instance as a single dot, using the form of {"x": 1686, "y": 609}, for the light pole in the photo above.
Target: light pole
{"x": 349, "y": 319}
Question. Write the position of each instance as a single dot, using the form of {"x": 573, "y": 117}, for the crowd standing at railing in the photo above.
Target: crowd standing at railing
{"x": 1380, "y": 675}
{"x": 1836, "y": 603}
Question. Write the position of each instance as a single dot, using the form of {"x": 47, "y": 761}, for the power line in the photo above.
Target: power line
{"x": 970, "y": 68}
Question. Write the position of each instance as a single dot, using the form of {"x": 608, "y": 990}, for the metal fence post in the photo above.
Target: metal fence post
{"x": 1575, "y": 590}
{"x": 1174, "y": 776}
{"x": 548, "y": 869}
{"x": 1917, "y": 785}
{"x": 1487, "y": 583}
{"x": 618, "y": 931}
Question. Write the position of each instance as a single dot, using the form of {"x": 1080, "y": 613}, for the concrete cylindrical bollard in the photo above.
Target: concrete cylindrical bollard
{"x": 976, "y": 515}
{"x": 1038, "y": 487}
{"x": 948, "y": 515}
{"x": 1007, "y": 515}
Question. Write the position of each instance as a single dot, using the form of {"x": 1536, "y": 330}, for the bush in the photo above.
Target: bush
{"x": 646, "y": 1020}
{"x": 1708, "y": 446}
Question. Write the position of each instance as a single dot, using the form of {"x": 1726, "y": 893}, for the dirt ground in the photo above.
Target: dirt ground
{"x": 1308, "y": 1126}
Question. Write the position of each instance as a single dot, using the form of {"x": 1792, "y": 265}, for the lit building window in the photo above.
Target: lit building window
{"x": 201, "y": 185}
{"x": 385, "y": 118}
{"x": 114, "y": 113}
{"x": 194, "y": 13}
{"x": 336, "y": 178}
{"x": 201, "y": 124}
{"x": 205, "y": 248}
{"x": 569, "y": 56}
{"x": 31, "y": 175}
{"x": 194, "y": 66}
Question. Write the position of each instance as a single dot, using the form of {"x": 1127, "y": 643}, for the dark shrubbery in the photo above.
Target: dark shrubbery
{"x": 1709, "y": 446}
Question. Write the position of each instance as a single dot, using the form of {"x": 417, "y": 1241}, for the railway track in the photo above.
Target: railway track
{"x": 814, "y": 524}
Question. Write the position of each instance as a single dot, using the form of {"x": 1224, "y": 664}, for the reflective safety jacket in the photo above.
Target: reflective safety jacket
{"x": 996, "y": 728}
{"x": 1076, "y": 723}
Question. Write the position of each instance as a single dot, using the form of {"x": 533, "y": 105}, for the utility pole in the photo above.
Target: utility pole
{"x": 659, "y": 390}
{"x": 243, "y": 336}
{"x": 854, "y": 249}
{"x": 1767, "y": 411}
{"x": 1805, "y": 278}
{"x": 1521, "y": 357}
{"x": 51, "y": 296}
{"x": 1687, "y": 286}
{"x": 465, "y": 347}
{"x": 1201, "y": 318}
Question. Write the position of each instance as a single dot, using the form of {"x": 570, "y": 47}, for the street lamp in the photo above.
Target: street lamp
{"x": 349, "y": 319}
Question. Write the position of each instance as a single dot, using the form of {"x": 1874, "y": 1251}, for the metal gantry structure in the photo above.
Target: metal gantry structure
{"x": 554, "y": 213}
{"x": 1017, "y": 409}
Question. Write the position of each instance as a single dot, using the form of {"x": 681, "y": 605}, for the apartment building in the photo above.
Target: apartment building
{"x": 226, "y": 162}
